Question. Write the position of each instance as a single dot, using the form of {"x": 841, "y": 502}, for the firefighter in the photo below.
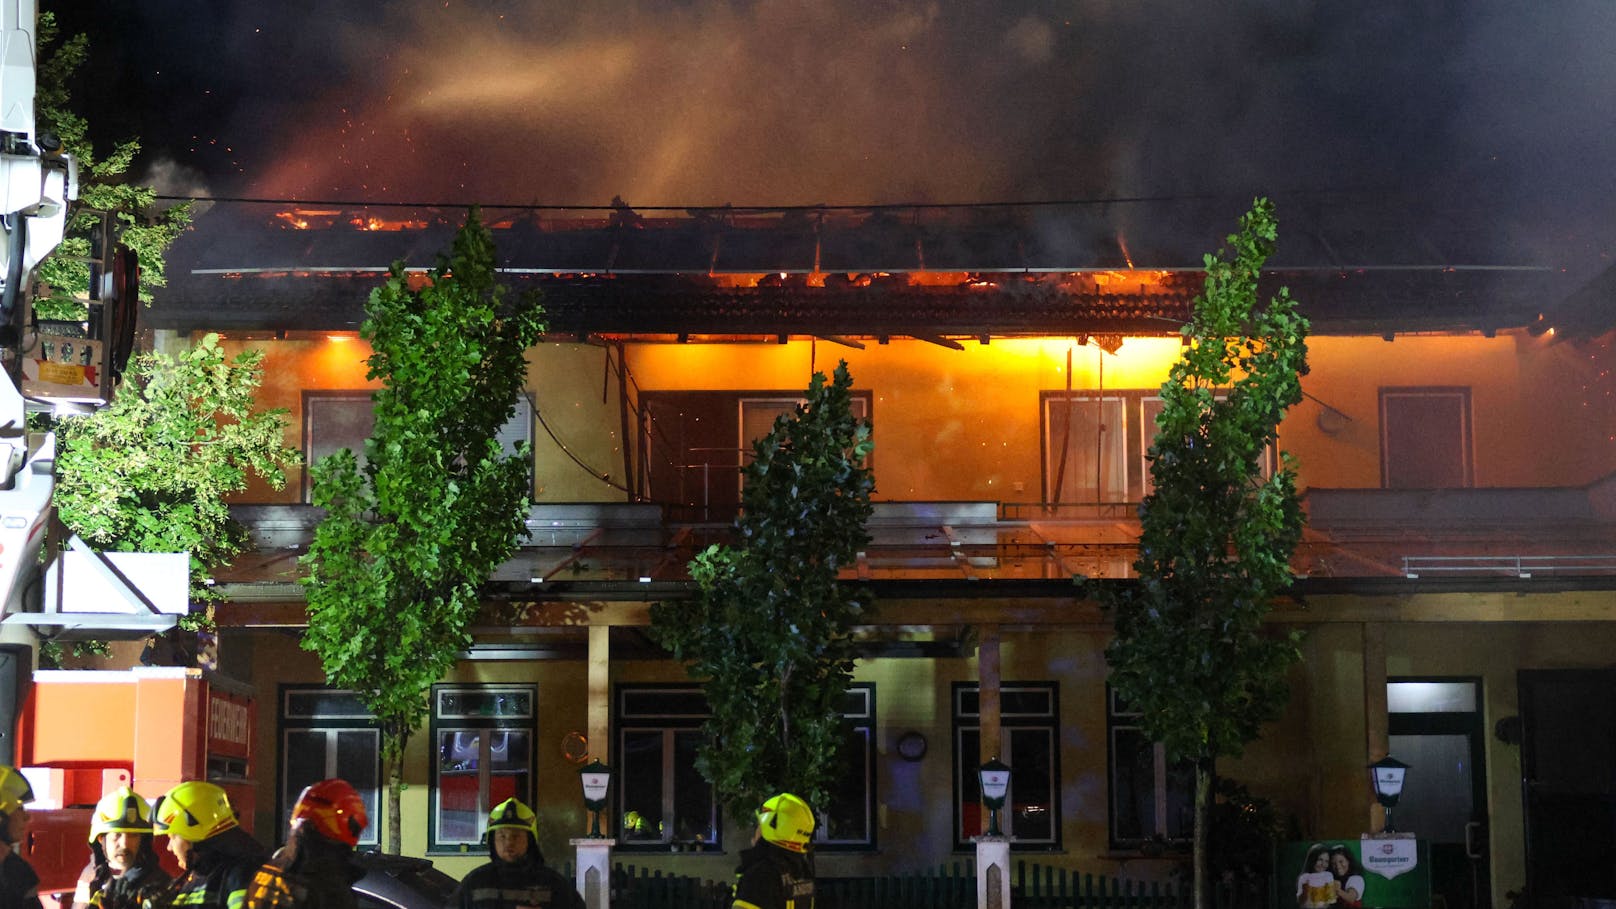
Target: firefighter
{"x": 19, "y": 885}
{"x": 123, "y": 870}
{"x": 776, "y": 873}
{"x": 217, "y": 858}
{"x": 517, "y": 875}
{"x": 315, "y": 869}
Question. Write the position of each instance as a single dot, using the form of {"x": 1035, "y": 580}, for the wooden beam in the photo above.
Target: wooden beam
{"x": 1074, "y": 611}
{"x": 1376, "y": 738}
{"x": 600, "y": 692}
{"x": 1508, "y": 606}
{"x": 990, "y": 739}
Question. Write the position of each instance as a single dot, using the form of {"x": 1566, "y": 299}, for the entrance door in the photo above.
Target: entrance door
{"x": 1436, "y": 727}
{"x": 1568, "y": 750}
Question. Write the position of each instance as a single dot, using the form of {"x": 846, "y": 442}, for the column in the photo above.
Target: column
{"x": 594, "y": 862}
{"x": 1376, "y": 740}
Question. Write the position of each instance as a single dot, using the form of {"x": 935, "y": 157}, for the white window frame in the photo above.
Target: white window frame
{"x": 1112, "y": 447}
{"x": 1147, "y": 434}
{"x": 861, "y": 722}
{"x": 356, "y": 405}
{"x": 669, "y": 726}
{"x": 780, "y": 405}
{"x": 1010, "y": 721}
{"x": 330, "y": 724}
{"x": 487, "y": 729}
{"x": 1121, "y": 720}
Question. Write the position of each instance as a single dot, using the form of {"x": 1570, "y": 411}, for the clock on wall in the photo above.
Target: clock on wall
{"x": 911, "y": 746}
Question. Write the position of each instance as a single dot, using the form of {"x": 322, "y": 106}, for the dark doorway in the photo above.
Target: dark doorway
{"x": 1568, "y": 770}
{"x": 1436, "y": 726}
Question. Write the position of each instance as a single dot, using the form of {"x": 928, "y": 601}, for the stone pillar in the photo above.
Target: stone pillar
{"x": 992, "y": 872}
{"x": 594, "y": 878}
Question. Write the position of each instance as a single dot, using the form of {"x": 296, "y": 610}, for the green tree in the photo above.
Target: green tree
{"x": 769, "y": 632}
{"x": 151, "y": 472}
{"x": 409, "y": 537}
{"x": 1190, "y": 652}
{"x": 103, "y": 187}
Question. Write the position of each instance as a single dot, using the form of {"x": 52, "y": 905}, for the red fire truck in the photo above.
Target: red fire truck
{"x": 82, "y": 733}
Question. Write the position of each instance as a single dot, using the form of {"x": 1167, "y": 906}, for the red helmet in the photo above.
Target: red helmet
{"x": 334, "y": 809}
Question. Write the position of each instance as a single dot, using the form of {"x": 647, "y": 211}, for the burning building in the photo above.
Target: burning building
{"x": 1459, "y": 568}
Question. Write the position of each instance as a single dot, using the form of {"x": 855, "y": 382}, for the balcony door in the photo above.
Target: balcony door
{"x": 695, "y": 444}
{"x": 1425, "y": 438}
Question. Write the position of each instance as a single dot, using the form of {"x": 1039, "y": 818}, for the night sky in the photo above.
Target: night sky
{"x": 1469, "y": 113}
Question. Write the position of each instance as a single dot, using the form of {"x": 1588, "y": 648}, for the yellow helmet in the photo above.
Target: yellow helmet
{"x": 14, "y": 789}
{"x": 194, "y": 811}
{"x": 787, "y": 822}
{"x": 512, "y": 813}
{"x": 120, "y": 811}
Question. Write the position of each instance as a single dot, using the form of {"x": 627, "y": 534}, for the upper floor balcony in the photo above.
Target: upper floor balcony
{"x": 1368, "y": 539}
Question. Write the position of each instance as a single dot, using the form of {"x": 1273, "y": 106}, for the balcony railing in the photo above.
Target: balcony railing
{"x": 1511, "y": 566}
{"x": 1359, "y": 533}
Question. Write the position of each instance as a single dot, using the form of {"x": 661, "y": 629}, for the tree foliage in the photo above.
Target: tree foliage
{"x": 408, "y": 537}
{"x": 1190, "y": 652}
{"x": 151, "y": 472}
{"x": 769, "y": 632}
{"x": 104, "y": 186}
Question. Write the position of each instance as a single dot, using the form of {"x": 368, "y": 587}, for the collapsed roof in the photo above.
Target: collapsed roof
{"x": 933, "y": 272}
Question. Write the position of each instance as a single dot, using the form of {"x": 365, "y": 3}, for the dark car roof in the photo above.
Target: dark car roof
{"x": 403, "y": 881}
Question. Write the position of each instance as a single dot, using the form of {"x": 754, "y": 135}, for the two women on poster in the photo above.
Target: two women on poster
{"x": 1331, "y": 878}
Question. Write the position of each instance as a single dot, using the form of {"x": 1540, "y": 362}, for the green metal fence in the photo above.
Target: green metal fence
{"x": 949, "y": 886}
{"x": 946, "y": 887}
{"x": 1042, "y": 887}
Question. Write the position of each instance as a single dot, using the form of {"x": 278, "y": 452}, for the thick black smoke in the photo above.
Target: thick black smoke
{"x": 1484, "y": 124}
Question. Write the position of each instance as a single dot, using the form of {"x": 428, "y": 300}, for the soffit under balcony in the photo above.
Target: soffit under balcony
{"x": 609, "y": 562}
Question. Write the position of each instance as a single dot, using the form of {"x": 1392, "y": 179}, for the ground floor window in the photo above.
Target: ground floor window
{"x": 1151, "y": 798}
{"x": 664, "y": 802}
{"x": 1030, "y": 728}
{"x": 326, "y": 733}
{"x": 483, "y": 738}
{"x": 847, "y": 821}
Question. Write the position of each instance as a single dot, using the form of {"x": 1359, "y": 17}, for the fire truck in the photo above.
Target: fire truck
{"x": 76, "y": 735}
{"x": 153, "y": 727}
{"x": 37, "y": 183}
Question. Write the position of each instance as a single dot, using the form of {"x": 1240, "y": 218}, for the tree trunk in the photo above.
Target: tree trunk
{"x": 1203, "y": 796}
{"x": 395, "y": 784}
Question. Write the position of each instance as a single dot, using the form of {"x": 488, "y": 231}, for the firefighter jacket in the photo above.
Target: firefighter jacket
{"x": 101, "y": 888}
{"x": 311, "y": 872}
{"x": 19, "y": 885}
{"x": 773, "y": 878}
{"x": 222, "y": 867}
{"x": 525, "y": 882}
